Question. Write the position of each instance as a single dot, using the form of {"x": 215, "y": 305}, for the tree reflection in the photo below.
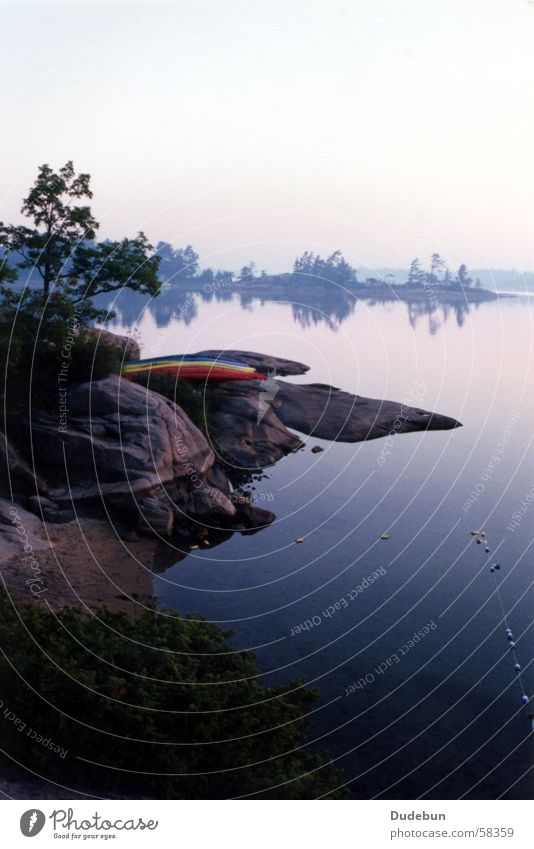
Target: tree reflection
{"x": 323, "y": 303}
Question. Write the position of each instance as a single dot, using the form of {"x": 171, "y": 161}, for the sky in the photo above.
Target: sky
{"x": 257, "y": 130}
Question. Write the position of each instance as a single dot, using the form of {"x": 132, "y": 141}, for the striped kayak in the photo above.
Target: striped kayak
{"x": 192, "y": 368}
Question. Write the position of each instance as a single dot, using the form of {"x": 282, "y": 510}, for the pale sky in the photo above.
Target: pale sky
{"x": 257, "y": 129}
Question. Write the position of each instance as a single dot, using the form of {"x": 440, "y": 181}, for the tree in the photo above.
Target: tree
{"x": 158, "y": 706}
{"x": 246, "y": 275}
{"x": 304, "y": 264}
{"x": 462, "y": 277}
{"x": 61, "y": 244}
{"x": 416, "y": 275}
{"x": 7, "y": 273}
{"x": 436, "y": 264}
{"x": 182, "y": 263}
{"x": 224, "y": 278}
{"x": 335, "y": 268}
{"x": 447, "y": 278}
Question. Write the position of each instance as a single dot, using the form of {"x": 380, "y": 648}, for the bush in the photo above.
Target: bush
{"x": 155, "y": 707}
{"x": 37, "y": 335}
{"x": 196, "y": 402}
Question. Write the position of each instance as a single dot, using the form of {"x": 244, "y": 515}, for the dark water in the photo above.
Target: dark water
{"x": 444, "y": 718}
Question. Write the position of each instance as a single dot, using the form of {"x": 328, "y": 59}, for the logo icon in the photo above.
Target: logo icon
{"x": 32, "y": 822}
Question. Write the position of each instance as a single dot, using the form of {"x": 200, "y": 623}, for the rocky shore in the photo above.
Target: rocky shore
{"x": 130, "y": 485}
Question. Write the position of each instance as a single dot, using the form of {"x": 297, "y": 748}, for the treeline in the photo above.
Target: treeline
{"x": 60, "y": 253}
{"x": 439, "y": 274}
{"x": 183, "y": 265}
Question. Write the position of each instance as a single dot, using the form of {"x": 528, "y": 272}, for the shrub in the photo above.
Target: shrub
{"x": 157, "y": 707}
{"x": 37, "y": 333}
{"x": 195, "y": 401}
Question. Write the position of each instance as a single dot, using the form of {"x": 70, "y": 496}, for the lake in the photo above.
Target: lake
{"x": 438, "y": 716}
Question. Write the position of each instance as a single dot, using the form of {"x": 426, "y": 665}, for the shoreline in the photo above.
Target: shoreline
{"x": 145, "y": 486}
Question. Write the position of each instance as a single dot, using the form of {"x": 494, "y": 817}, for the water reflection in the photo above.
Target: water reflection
{"x": 310, "y": 306}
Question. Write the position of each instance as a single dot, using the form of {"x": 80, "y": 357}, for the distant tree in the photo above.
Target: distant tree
{"x": 448, "y": 279}
{"x": 224, "y": 278}
{"x": 335, "y": 268}
{"x": 246, "y": 275}
{"x": 304, "y": 264}
{"x": 463, "y": 280}
{"x": 177, "y": 264}
{"x": 206, "y": 276}
{"x": 416, "y": 275}
{"x": 478, "y": 283}
{"x": 60, "y": 245}
{"x": 165, "y": 251}
{"x": 437, "y": 264}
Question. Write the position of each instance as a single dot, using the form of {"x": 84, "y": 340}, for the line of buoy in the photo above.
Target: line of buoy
{"x": 495, "y": 568}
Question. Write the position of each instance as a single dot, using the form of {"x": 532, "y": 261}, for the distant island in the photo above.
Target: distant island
{"x": 434, "y": 283}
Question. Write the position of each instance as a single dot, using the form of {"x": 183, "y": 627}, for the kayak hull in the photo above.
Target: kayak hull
{"x": 192, "y": 368}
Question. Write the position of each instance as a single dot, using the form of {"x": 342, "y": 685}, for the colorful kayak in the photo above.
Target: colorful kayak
{"x": 192, "y": 368}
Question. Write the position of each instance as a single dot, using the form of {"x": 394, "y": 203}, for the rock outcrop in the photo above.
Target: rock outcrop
{"x": 121, "y": 440}
{"x": 262, "y": 362}
{"x": 21, "y": 533}
{"x": 329, "y": 413}
{"x": 16, "y": 475}
{"x": 246, "y": 429}
{"x": 127, "y": 347}
{"x": 250, "y": 424}
{"x": 136, "y": 454}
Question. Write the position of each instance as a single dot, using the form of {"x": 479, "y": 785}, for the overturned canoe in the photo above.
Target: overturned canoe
{"x": 192, "y": 368}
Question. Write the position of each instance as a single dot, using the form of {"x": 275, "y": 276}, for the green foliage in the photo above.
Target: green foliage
{"x": 246, "y": 275}
{"x": 416, "y": 275}
{"x": 34, "y": 330}
{"x": 61, "y": 245}
{"x": 334, "y": 269}
{"x": 156, "y": 706}
{"x": 463, "y": 280}
{"x": 177, "y": 264}
{"x": 7, "y": 273}
{"x": 195, "y": 401}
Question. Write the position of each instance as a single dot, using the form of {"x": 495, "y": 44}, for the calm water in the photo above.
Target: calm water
{"x": 445, "y": 719}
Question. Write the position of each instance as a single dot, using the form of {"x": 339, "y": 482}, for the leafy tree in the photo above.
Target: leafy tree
{"x": 156, "y": 707}
{"x": 437, "y": 264}
{"x": 181, "y": 263}
{"x": 334, "y": 269}
{"x": 7, "y": 273}
{"x": 416, "y": 275}
{"x": 60, "y": 245}
{"x": 246, "y": 275}
{"x": 33, "y": 330}
{"x": 224, "y": 278}
{"x": 463, "y": 280}
{"x": 304, "y": 264}
{"x": 448, "y": 279}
